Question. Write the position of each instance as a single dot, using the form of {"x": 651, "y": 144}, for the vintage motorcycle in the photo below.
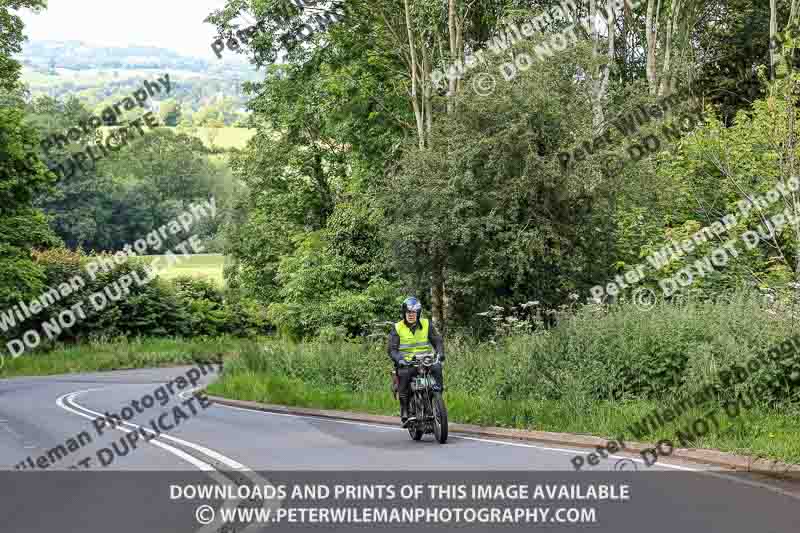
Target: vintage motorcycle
{"x": 426, "y": 404}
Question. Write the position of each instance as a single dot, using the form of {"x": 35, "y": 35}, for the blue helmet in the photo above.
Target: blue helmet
{"x": 411, "y": 304}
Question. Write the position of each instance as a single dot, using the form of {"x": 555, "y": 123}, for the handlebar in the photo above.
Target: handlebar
{"x": 425, "y": 359}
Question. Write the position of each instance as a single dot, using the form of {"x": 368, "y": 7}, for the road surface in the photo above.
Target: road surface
{"x": 51, "y": 453}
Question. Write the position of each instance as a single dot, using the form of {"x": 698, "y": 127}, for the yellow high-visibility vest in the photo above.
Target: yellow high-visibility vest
{"x": 416, "y": 342}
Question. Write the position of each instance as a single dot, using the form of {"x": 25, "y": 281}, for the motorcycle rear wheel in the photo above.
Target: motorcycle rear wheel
{"x": 439, "y": 418}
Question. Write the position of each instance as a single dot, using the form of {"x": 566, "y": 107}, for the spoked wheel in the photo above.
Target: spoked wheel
{"x": 415, "y": 428}
{"x": 439, "y": 418}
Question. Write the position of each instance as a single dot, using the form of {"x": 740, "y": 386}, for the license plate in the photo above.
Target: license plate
{"x": 421, "y": 383}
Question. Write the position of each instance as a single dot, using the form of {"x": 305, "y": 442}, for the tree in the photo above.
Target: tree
{"x": 22, "y": 174}
{"x": 11, "y": 38}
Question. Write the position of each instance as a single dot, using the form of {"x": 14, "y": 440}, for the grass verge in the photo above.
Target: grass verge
{"x": 122, "y": 354}
{"x": 761, "y": 431}
{"x": 507, "y": 385}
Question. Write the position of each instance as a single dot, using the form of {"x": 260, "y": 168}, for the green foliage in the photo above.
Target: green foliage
{"x": 593, "y": 354}
{"x": 131, "y": 192}
{"x": 109, "y": 354}
{"x": 183, "y": 307}
{"x": 710, "y": 172}
{"x": 347, "y": 376}
{"x": 22, "y": 227}
{"x": 212, "y": 315}
{"x": 12, "y": 37}
{"x": 489, "y": 195}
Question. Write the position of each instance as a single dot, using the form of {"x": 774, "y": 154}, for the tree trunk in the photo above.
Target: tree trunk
{"x": 602, "y": 75}
{"x": 651, "y": 30}
{"x": 437, "y": 289}
{"x": 773, "y": 31}
{"x": 418, "y": 109}
{"x": 672, "y": 25}
{"x": 626, "y": 13}
{"x": 451, "y": 30}
{"x": 439, "y": 301}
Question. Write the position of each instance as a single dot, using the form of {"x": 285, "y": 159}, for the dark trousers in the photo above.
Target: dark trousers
{"x": 405, "y": 374}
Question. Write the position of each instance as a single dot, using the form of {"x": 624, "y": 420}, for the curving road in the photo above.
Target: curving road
{"x": 51, "y": 420}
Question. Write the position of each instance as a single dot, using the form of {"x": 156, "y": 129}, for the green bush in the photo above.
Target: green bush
{"x": 211, "y": 313}
{"x": 150, "y": 309}
{"x": 598, "y": 353}
{"x": 183, "y": 307}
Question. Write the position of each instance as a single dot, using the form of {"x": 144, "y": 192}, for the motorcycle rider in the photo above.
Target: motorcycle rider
{"x": 413, "y": 335}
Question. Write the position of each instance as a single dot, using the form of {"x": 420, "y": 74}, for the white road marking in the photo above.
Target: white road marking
{"x": 249, "y": 473}
{"x": 184, "y": 395}
{"x": 458, "y": 435}
{"x": 203, "y": 466}
{"x": 520, "y": 444}
{"x": 212, "y": 472}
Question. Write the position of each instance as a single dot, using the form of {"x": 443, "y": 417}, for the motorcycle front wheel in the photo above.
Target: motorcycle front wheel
{"x": 439, "y": 418}
{"x": 415, "y": 429}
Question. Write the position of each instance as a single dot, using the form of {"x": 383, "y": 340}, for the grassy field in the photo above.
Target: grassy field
{"x": 221, "y": 138}
{"x": 207, "y": 266}
{"x": 122, "y": 354}
{"x": 226, "y": 138}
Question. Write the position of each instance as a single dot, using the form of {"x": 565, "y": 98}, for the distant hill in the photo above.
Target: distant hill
{"x": 78, "y": 55}
{"x": 96, "y": 74}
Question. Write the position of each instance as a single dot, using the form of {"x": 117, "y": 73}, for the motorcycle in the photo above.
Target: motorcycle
{"x": 426, "y": 404}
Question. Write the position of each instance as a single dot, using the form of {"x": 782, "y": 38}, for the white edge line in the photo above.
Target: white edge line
{"x": 559, "y": 450}
{"x": 213, "y": 472}
{"x": 205, "y": 467}
{"x": 228, "y": 461}
{"x": 569, "y": 451}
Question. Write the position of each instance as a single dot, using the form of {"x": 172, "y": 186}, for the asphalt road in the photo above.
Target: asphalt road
{"x": 217, "y": 444}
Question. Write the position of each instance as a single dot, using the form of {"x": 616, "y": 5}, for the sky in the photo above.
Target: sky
{"x": 173, "y": 24}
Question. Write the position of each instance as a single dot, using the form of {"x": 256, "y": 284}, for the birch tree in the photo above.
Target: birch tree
{"x": 419, "y": 46}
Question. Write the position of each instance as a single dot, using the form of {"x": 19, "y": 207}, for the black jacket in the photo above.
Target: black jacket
{"x": 433, "y": 337}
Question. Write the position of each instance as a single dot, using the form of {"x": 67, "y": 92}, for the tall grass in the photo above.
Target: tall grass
{"x": 595, "y": 373}
{"x": 121, "y": 354}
